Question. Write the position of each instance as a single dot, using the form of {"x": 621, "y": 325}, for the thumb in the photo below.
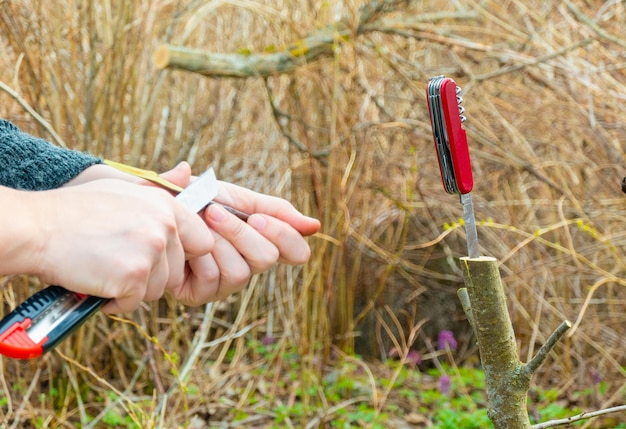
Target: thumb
{"x": 179, "y": 175}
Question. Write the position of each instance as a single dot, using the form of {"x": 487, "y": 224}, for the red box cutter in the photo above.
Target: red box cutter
{"x": 42, "y": 321}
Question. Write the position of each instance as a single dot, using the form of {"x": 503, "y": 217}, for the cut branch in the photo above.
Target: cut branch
{"x": 507, "y": 384}
{"x": 506, "y": 377}
{"x": 318, "y": 45}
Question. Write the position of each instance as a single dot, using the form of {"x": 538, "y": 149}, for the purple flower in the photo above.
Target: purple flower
{"x": 596, "y": 378}
{"x": 446, "y": 339}
{"x": 444, "y": 384}
{"x": 268, "y": 340}
{"x": 413, "y": 358}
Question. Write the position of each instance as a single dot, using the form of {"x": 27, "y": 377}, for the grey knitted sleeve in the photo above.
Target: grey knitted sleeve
{"x": 31, "y": 163}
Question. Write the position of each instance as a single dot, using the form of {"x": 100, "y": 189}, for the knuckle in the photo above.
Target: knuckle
{"x": 269, "y": 258}
{"x": 238, "y": 228}
{"x": 139, "y": 273}
{"x": 303, "y": 256}
{"x": 237, "y": 279}
{"x": 134, "y": 273}
{"x": 158, "y": 245}
{"x": 209, "y": 277}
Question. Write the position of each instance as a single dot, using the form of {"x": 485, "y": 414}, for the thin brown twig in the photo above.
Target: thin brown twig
{"x": 578, "y": 417}
{"x": 6, "y": 88}
{"x": 25, "y": 400}
{"x": 150, "y": 352}
{"x": 594, "y": 26}
{"x": 546, "y": 348}
{"x": 539, "y": 60}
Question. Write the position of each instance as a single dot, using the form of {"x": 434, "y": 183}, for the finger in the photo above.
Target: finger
{"x": 292, "y": 247}
{"x": 168, "y": 271}
{"x": 175, "y": 260}
{"x": 179, "y": 175}
{"x": 201, "y": 283}
{"x": 253, "y": 202}
{"x": 234, "y": 269}
{"x": 258, "y": 252}
{"x": 128, "y": 294}
{"x": 195, "y": 237}
{"x": 147, "y": 275}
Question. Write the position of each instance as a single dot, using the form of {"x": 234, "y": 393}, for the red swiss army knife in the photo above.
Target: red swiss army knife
{"x": 446, "y": 119}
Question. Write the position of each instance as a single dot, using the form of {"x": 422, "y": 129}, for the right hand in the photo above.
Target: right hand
{"x": 118, "y": 240}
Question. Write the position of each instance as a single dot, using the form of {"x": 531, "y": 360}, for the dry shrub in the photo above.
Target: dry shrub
{"x": 348, "y": 140}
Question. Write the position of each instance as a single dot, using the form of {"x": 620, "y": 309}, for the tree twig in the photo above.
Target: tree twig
{"x": 319, "y": 44}
{"x": 545, "y": 349}
{"x": 594, "y": 26}
{"x": 535, "y": 61}
{"x": 6, "y": 88}
{"x": 578, "y": 417}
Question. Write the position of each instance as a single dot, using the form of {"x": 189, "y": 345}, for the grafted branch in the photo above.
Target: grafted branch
{"x": 507, "y": 379}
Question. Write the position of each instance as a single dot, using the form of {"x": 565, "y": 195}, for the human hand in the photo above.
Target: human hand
{"x": 117, "y": 240}
{"x": 274, "y": 232}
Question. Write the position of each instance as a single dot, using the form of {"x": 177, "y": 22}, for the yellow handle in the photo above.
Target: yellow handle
{"x": 155, "y": 178}
{"x": 145, "y": 174}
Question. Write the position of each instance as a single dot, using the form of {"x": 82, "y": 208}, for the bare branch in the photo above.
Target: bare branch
{"x": 594, "y": 26}
{"x": 6, "y": 88}
{"x": 318, "y": 45}
{"x": 507, "y": 385}
{"x": 543, "y": 352}
{"x": 581, "y": 416}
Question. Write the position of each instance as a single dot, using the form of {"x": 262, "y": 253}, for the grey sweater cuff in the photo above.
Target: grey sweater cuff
{"x": 31, "y": 163}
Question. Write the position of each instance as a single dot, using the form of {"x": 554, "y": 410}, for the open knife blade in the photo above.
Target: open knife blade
{"x": 41, "y": 322}
{"x": 200, "y": 192}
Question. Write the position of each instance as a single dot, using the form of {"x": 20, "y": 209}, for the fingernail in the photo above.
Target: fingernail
{"x": 257, "y": 222}
{"x": 217, "y": 213}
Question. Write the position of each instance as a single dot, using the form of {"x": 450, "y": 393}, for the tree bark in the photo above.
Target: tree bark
{"x": 319, "y": 44}
{"x": 506, "y": 380}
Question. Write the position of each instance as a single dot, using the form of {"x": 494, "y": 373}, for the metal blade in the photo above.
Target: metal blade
{"x": 200, "y": 192}
{"x": 471, "y": 234}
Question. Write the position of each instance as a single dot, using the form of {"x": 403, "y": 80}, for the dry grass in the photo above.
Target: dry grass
{"x": 545, "y": 96}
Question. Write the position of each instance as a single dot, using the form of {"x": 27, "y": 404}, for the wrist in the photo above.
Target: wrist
{"x": 101, "y": 171}
{"x": 23, "y": 242}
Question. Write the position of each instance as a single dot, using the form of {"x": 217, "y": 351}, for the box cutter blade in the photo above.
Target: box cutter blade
{"x": 41, "y": 322}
